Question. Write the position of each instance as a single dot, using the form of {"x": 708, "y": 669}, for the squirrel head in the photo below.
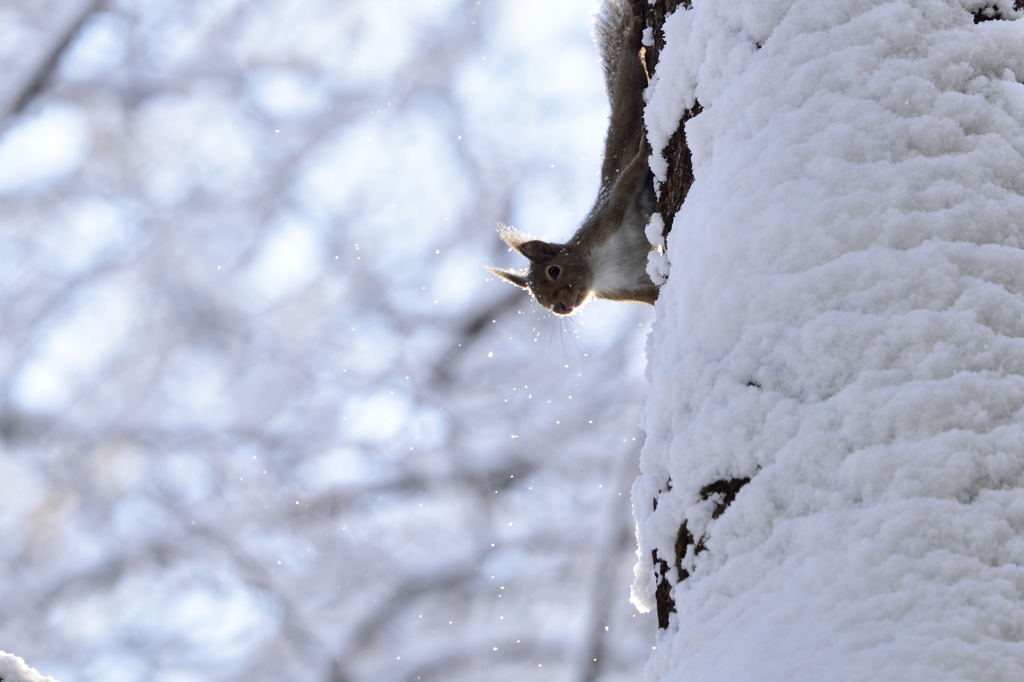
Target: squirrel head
{"x": 559, "y": 277}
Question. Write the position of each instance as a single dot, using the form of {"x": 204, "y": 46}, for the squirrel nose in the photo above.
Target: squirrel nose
{"x": 561, "y": 309}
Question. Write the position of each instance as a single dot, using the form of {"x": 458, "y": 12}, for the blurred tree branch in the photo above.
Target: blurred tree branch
{"x": 318, "y": 463}
{"x": 37, "y": 67}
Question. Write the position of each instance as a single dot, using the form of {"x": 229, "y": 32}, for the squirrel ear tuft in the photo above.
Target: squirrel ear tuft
{"x": 512, "y": 236}
{"x": 534, "y": 249}
{"x": 538, "y": 251}
{"x": 518, "y": 278}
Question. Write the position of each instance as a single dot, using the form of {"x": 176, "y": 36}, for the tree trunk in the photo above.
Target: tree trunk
{"x": 832, "y": 481}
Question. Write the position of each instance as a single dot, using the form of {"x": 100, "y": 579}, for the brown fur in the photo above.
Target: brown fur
{"x": 607, "y": 257}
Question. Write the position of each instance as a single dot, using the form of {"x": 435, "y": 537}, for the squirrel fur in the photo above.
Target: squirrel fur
{"x": 607, "y": 257}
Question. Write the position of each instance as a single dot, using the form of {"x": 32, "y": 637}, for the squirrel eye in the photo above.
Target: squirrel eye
{"x": 554, "y": 271}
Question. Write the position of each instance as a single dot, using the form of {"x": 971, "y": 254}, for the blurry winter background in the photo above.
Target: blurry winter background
{"x": 264, "y": 414}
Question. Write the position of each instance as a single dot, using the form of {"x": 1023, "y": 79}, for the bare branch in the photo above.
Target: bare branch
{"x": 24, "y": 85}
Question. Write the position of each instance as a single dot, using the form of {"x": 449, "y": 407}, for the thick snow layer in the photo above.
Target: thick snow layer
{"x": 14, "y": 669}
{"x": 844, "y": 324}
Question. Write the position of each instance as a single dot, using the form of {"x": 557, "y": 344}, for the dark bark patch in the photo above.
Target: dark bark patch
{"x": 680, "y": 171}
{"x": 680, "y": 164}
{"x": 723, "y": 491}
{"x": 663, "y": 594}
{"x": 727, "y": 488}
{"x": 995, "y": 13}
{"x": 684, "y": 539}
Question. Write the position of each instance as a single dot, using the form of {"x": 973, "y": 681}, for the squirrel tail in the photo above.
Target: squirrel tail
{"x": 611, "y": 26}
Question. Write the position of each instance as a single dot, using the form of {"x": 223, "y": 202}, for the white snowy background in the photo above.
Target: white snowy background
{"x": 844, "y": 324}
{"x": 264, "y": 415}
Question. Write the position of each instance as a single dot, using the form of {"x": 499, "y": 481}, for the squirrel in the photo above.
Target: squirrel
{"x": 607, "y": 257}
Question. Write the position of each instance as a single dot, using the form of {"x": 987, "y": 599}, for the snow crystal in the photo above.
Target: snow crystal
{"x": 843, "y": 325}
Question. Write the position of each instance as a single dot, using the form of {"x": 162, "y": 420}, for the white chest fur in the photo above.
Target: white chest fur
{"x": 620, "y": 263}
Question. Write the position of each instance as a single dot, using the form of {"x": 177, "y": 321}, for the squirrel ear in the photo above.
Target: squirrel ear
{"x": 538, "y": 251}
{"x": 519, "y": 279}
{"x": 534, "y": 249}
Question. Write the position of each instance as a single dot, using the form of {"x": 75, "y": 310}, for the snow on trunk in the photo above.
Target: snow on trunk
{"x": 843, "y": 325}
{"x": 14, "y": 669}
